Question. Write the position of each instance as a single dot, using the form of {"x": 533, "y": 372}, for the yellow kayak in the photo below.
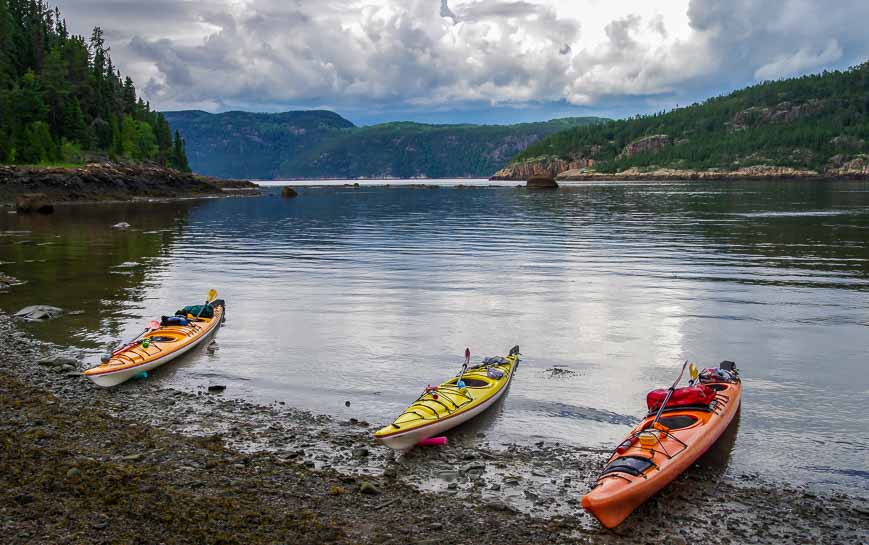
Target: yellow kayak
{"x": 447, "y": 405}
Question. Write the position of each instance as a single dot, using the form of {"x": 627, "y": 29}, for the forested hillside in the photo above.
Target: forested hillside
{"x": 322, "y": 144}
{"x": 814, "y": 122}
{"x": 415, "y": 150}
{"x": 62, "y": 99}
{"x": 251, "y": 145}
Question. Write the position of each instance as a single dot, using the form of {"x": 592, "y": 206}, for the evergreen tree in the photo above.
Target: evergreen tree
{"x": 68, "y": 85}
{"x": 179, "y": 155}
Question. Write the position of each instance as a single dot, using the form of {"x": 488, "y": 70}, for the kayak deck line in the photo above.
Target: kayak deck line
{"x": 445, "y": 406}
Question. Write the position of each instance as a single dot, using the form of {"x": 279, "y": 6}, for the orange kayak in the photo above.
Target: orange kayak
{"x": 650, "y": 457}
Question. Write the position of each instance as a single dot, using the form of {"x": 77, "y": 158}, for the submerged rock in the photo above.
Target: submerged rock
{"x": 121, "y": 226}
{"x": 8, "y": 281}
{"x": 29, "y": 203}
{"x": 289, "y": 193}
{"x": 37, "y": 313}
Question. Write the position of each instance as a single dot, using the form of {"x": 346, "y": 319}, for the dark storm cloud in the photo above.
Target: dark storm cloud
{"x": 430, "y": 56}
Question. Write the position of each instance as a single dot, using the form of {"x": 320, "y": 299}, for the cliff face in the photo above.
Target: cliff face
{"x": 544, "y": 167}
{"x": 648, "y": 144}
{"x": 107, "y": 181}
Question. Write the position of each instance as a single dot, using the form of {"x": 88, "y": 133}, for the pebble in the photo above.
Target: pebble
{"x": 368, "y": 488}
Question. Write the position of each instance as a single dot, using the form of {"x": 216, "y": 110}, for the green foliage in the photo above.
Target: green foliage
{"x": 322, "y": 144}
{"x": 68, "y": 86}
{"x": 801, "y": 122}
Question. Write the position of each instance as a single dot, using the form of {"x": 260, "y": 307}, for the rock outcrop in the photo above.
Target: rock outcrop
{"x": 549, "y": 167}
{"x": 759, "y": 172}
{"x": 647, "y": 144}
{"x": 783, "y": 112}
{"x": 857, "y": 167}
{"x": 541, "y": 182}
{"x": 108, "y": 181}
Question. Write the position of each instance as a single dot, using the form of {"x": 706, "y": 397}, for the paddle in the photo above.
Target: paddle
{"x": 460, "y": 383}
{"x": 212, "y": 295}
{"x": 152, "y": 325}
{"x": 669, "y": 393}
{"x": 694, "y": 372}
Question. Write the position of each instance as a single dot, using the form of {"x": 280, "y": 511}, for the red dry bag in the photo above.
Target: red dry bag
{"x": 697, "y": 396}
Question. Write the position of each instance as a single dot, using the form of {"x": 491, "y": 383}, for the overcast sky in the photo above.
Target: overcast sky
{"x": 493, "y": 61}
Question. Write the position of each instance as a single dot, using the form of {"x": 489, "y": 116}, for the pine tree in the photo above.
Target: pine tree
{"x": 179, "y": 155}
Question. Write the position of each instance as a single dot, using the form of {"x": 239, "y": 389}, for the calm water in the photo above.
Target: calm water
{"x": 365, "y": 295}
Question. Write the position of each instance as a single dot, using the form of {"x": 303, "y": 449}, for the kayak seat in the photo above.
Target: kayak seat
{"x": 473, "y": 383}
{"x": 632, "y": 465}
{"x": 678, "y": 421}
{"x": 668, "y": 409}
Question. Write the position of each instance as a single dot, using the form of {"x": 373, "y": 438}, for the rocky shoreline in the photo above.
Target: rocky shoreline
{"x": 569, "y": 172}
{"x": 112, "y": 182}
{"x": 145, "y": 464}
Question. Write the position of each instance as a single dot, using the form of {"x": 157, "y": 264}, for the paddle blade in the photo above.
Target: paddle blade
{"x": 695, "y": 372}
{"x": 212, "y": 295}
{"x": 153, "y": 324}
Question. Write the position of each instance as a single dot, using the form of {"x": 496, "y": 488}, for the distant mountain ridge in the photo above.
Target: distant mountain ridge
{"x": 322, "y": 144}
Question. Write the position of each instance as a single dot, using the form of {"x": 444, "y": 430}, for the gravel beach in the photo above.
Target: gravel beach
{"x": 145, "y": 464}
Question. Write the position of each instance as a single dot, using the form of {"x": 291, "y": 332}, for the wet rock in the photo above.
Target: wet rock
{"x": 370, "y": 489}
{"x": 7, "y": 281}
{"x": 541, "y": 182}
{"x": 450, "y": 475}
{"x": 497, "y": 505}
{"x": 452, "y": 486}
{"x": 360, "y": 452}
{"x": 476, "y": 466}
{"x": 63, "y": 362}
{"x": 37, "y": 313}
{"x": 121, "y": 226}
{"x": 74, "y": 474}
{"x": 288, "y": 192}
{"x": 29, "y": 203}
{"x": 216, "y": 388}
{"x": 675, "y": 539}
{"x": 23, "y": 499}
{"x": 558, "y": 372}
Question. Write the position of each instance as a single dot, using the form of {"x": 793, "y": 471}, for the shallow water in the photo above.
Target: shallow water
{"x": 365, "y": 295}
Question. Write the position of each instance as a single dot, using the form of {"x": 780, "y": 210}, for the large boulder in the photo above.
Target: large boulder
{"x": 541, "y": 182}
{"x": 29, "y": 203}
{"x": 38, "y": 313}
{"x": 288, "y": 192}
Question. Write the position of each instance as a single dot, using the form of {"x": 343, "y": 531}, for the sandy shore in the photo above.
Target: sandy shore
{"x": 144, "y": 464}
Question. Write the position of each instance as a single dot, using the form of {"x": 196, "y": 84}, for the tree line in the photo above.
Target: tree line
{"x": 806, "y": 122}
{"x": 62, "y": 99}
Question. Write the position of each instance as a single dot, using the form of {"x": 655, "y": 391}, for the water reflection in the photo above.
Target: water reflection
{"x": 368, "y": 294}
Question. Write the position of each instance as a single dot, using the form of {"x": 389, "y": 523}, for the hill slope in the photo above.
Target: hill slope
{"x": 321, "y": 144}
{"x": 251, "y": 145}
{"x": 816, "y": 122}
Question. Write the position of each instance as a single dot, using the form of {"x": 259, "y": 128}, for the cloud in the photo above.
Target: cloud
{"x": 388, "y": 57}
{"x": 802, "y": 60}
